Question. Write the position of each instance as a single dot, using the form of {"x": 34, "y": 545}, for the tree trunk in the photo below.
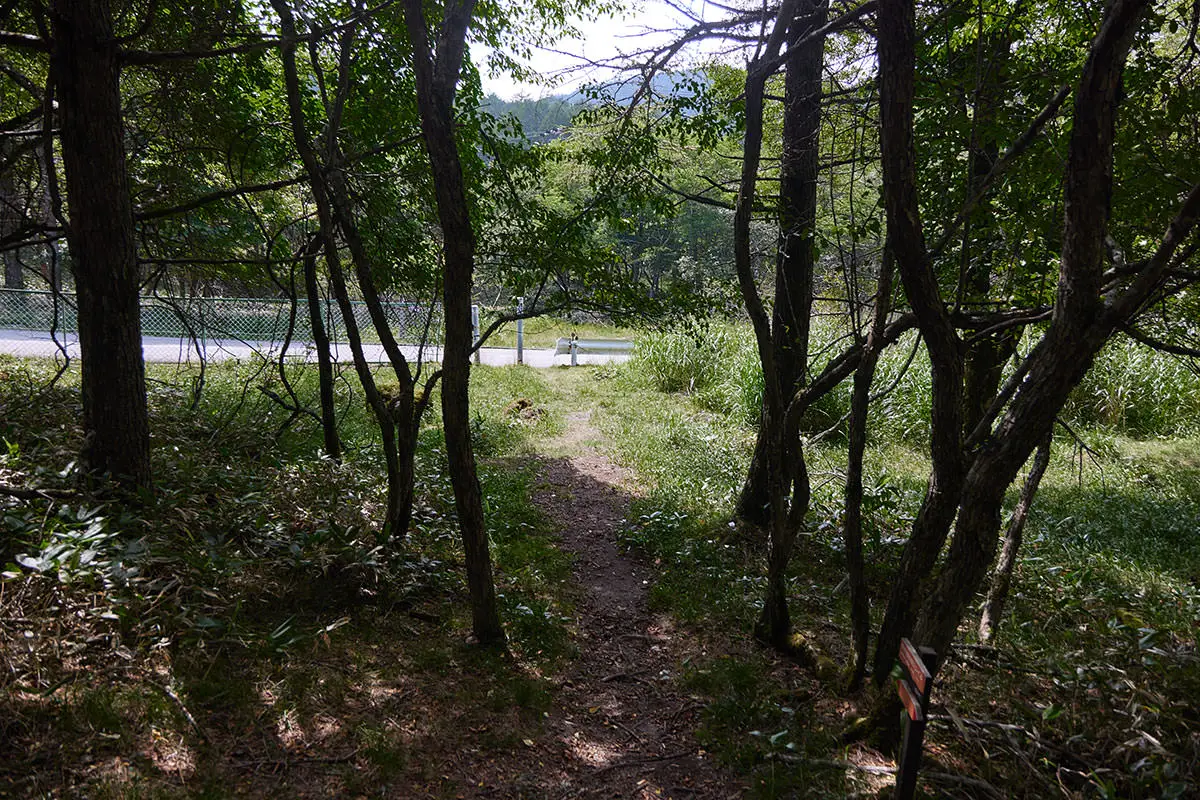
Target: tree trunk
{"x": 864, "y": 377}
{"x": 435, "y": 83}
{"x": 795, "y": 262}
{"x": 993, "y": 608}
{"x": 1079, "y": 328}
{"x": 774, "y": 624}
{"x": 1086, "y": 312}
{"x": 397, "y": 515}
{"x": 86, "y": 70}
{"x": 12, "y": 212}
{"x": 985, "y": 358}
{"x": 897, "y": 60}
{"x": 333, "y": 442}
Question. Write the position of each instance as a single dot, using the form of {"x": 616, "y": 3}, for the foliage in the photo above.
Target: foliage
{"x": 1139, "y": 392}
{"x": 1096, "y": 663}
{"x": 256, "y": 556}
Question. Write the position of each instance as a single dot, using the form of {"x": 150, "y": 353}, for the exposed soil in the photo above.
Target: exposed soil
{"x": 621, "y": 726}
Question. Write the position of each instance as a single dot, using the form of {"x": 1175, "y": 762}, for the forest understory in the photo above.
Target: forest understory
{"x": 245, "y": 632}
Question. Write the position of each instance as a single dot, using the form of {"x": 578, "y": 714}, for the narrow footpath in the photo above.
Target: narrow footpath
{"x": 621, "y": 726}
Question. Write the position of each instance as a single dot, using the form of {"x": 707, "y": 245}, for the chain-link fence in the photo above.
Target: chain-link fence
{"x": 34, "y": 323}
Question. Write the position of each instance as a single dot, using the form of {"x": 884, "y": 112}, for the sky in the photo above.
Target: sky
{"x": 602, "y": 39}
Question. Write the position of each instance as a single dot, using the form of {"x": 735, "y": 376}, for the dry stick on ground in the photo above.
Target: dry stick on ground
{"x": 634, "y": 762}
{"x": 38, "y": 494}
{"x": 170, "y": 694}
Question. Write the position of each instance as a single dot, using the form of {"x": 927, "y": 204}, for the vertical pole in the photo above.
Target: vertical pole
{"x": 520, "y": 331}
{"x": 574, "y": 352}
{"x": 915, "y": 688}
{"x": 475, "y": 330}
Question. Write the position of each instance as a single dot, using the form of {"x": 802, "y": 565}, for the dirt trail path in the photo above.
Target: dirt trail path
{"x": 621, "y": 727}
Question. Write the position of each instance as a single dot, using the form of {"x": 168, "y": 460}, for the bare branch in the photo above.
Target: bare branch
{"x": 1158, "y": 344}
{"x": 24, "y": 41}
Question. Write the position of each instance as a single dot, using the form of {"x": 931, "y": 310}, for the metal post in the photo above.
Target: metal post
{"x": 475, "y": 331}
{"x": 574, "y": 352}
{"x": 520, "y": 331}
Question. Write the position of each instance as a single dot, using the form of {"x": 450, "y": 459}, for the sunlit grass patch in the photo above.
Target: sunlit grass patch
{"x": 543, "y": 332}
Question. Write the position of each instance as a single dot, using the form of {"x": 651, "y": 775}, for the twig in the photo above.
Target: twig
{"x": 631, "y": 732}
{"x": 170, "y": 694}
{"x": 963, "y": 780}
{"x": 871, "y": 769}
{"x": 37, "y": 494}
{"x": 638, "y": 761}
{"x": 285, "y": 763}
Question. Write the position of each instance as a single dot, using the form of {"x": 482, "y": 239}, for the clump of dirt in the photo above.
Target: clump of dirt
{"x": 524, "y": 410}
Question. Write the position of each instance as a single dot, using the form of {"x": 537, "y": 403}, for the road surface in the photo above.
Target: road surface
{"x": 170, "y": 350}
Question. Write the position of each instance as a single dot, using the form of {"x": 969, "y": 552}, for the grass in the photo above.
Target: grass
{"x": 253, "y": 592}
{"x": 1131, "y": 390}
{"x": 1098, "y": 650}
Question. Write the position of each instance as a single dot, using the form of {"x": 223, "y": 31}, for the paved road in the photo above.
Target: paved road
{"x": 169, "y": 350}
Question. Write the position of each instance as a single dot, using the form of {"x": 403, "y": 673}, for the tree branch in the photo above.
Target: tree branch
{"x": 1159, "y": 344}
{"x": 24, "y": 41}
{"x": 213, "y": 197}
{"x": 151, "y": 57}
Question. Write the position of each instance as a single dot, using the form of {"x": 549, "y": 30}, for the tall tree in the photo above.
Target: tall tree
{"x": 972, "y": 470}
{"x": 795, "y": 263}
{"x": 86, "y": 68}
{"x": 437, "y": 60}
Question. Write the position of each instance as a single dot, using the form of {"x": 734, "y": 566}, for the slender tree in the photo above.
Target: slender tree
{"x": 864, "y": 377}
{"x": 437, "y": 61}
{"x": 997, "y": 596}
{"x": 795, "y": 263}
{"x": 316, "y": 321}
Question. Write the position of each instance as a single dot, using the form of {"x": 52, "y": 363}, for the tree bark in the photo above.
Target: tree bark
{"x": 12, "y": 212}
{"x": 100, "y": 233}
{"x": 436, "y": 80}
{"x": 796, "y": 258}
{"x": 993, "y": 608}
{"x": 897, "y": 60}
{"x": 329, "y": 429}
{"x": 985, "y": 358}
{"x": 864, "y": 377}
{"x": 774, "y": 624}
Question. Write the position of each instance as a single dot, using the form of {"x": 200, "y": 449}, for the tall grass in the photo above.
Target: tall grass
{"x": 722, "y": 372}
{"x": 1131, "y": 389}
{"x": 1139, "y": 392}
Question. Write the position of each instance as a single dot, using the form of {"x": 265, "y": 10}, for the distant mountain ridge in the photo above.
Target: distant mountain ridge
{"x": 544, "y": 117}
